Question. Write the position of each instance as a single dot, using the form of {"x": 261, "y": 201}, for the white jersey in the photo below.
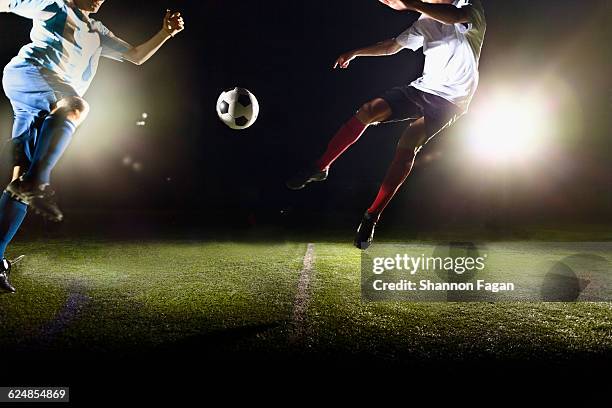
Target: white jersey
{"x": 64, "y": 40}
{"x": 452, "y": 52}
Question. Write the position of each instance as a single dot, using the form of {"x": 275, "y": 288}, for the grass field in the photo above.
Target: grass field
{"x": 207, "y": 301}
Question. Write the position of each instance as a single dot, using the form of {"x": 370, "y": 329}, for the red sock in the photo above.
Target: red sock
{"x": 346, "y": 136}
{"x": 398, "y": 171}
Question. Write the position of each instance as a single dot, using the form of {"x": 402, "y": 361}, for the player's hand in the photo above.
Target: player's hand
{"x": 173, "y": 23}
{"x": 400, "y": 5}
{"x": 344, "y": 60}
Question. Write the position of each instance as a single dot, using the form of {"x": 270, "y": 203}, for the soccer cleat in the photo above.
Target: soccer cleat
{"x": 5, "y": 272}
{"x": 306, "y": 176}
{"x": 365, "y": 231}
{"x": 39, "y": 197}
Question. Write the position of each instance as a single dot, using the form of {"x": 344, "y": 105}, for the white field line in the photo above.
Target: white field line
{"x": 302, "y": 298}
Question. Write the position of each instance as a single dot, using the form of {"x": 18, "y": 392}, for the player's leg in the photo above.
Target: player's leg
{"x": 55, "y": 135}
{"x": 374, "y": 111}
{"x": 408, "y": 147}
{"x": 12, "y": 214}
{"x": 13, "y": 211}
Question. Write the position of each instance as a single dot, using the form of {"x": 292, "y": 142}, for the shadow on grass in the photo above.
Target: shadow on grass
{"x": 207, "y": 343}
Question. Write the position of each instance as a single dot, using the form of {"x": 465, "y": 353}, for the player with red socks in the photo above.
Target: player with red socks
{"x": 451, "y": 33}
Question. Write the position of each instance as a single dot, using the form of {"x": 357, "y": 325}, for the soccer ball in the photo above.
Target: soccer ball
{"x": 237, "y": 108}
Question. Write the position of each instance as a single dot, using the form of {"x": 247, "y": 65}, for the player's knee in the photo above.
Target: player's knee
{"x": 367, "y": 112}
{"x": 373, "y": 111}
{"x": 414, "y": 137}
{"x": 411, "y": 143}
{"x": 363, "y": 114}
{"x": 412, "y": 147}
{"x": 74, "y": 108}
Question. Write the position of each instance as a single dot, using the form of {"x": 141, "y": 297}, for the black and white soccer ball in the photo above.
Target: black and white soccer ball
{"x": 237, "y": 108}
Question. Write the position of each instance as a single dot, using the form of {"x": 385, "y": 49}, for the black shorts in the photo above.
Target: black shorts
{"x": 407, "y": 103}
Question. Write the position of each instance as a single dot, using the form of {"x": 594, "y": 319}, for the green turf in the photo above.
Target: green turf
{"x": 460, "y": 331}
{"x": 145, "y": 294}
{"x": 238, "y": 298}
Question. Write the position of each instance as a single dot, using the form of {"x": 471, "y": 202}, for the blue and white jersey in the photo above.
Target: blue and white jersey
{"x": 64, "y": 40}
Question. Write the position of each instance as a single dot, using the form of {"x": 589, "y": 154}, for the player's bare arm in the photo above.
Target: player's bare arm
{"x": 172, "y": 25}
{"x": 441, "y": 10}
{"x": 383, "y": 48}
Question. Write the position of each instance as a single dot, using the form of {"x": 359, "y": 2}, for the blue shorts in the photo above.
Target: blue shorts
{"x": 33, "y": 92}
{"x": 408, "y": 103}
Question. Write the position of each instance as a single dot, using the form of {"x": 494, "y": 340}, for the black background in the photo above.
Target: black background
{"x": 283, "y": 52}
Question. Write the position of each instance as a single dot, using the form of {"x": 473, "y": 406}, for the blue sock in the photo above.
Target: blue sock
{"x": 55, "y": 135}
{"x": 12, "y": 213}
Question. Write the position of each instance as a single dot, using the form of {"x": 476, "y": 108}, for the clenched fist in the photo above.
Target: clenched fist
{"x": 173, "y": 23}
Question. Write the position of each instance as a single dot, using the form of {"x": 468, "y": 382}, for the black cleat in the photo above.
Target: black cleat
{"x": 365, "y": 231}
{"x": 306, "y": 176}
{"x": 40, "y": 197}
{"x": 5, "y": 272}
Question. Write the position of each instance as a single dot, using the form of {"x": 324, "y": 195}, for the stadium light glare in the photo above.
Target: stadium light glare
{"x": 508, "y": 127}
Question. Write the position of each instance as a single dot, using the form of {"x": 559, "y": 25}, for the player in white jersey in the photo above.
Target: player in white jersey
{"x": 451, "y": 33}
{"x": 45, "y": 84}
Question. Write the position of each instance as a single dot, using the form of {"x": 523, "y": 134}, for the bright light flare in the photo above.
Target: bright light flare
{"x": 509, "y": 127}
